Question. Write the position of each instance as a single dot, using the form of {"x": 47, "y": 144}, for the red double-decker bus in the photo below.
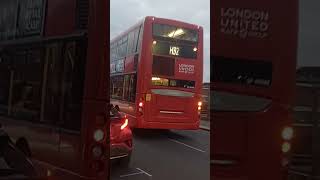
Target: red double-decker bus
{"x": 253, "y": 57}
{"x": 156, "y": 74}
{"x": 53, "y": 90}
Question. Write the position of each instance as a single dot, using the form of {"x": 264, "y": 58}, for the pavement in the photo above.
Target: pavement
{"x": 165, "y": 154}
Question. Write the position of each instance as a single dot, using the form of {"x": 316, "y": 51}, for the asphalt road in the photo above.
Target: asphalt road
{"x": 170, "y": 155}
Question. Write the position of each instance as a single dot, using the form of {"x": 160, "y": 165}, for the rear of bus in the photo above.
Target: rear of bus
{"x": 171, "y": 72}
{"x": 252, "y": 89}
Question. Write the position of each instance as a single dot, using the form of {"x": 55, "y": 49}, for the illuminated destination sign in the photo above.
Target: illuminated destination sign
{"x": 170, "y": 49}
{"x": 174, "y": 50}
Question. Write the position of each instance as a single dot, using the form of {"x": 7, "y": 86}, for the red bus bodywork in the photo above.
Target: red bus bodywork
{"x": 162, "y": 111}
{"x": 57, "y": 152}
{"x": 247, "y": 145}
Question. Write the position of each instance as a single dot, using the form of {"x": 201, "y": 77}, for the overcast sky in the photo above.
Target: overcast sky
{"x": 309, "y": 36}
{"x": 125, "y": 13}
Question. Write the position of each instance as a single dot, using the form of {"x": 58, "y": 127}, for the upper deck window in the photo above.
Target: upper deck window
{"x": 175, "y": 32}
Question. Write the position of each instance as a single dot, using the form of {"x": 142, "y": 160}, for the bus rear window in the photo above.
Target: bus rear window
{"x": 157, "y": 81}
{"x": 232, "y": 102}
{"x": 240, "y": 71}
{"x": 163, "y": 66}
{"x": 174, "y": 32}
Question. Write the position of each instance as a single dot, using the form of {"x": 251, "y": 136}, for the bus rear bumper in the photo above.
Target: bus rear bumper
{"x": 163, "y": 125}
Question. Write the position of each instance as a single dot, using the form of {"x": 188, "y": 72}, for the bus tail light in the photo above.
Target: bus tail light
{"x": 98, "y": 135}
{"x": 286, "y": 147}
{"x": 125, "y": 124}
{"x": 199, "y": 105}
{"x": 287, "y": 133}
{"x": 140, "y": 108}
{"x": 97, "y": 151}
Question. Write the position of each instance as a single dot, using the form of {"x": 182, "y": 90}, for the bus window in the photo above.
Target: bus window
{"x": 117, "y": 87}
{"x": 156, "y": 81}
{"x": 174, "y": 32}
{"x": 123, "y": 87}
{"x": 132, "y": 88}
{"x": 240, "y": 71}
{"x": 126, "y": 84}
{"x": 231, "y": 102}
{"x": 133, "y": 41}
{"x": 72, "y": 87}
{"x": 163, "y": 66}
{"x": 24, "y": 85}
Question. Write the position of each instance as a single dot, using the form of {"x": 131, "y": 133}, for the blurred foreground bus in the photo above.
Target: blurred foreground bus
{"x": 253, "y": 60}
{"x": 53, "y": 101}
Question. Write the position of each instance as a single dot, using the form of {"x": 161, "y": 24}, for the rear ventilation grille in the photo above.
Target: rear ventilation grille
{"x": 83, "y": 13}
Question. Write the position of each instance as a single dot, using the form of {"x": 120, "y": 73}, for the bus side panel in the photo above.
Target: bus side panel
{"x": 252, "y": 31}
{"x": 60, "y": 17}
{"x": 96, "y": 92}
{"x": 270, "y": 36}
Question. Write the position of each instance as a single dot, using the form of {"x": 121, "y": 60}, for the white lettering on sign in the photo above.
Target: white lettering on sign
{"x": 174, "y": 50}
{"x": 186, "y": 68}
{"x": 244, "y": 22}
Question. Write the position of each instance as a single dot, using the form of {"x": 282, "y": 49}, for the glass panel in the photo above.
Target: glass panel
{"x": 170, "y": 92}
{"x": 44, "y": 85}
{"x": 123, "y": 87}
{"x": 163, "y": 66}
{"x": 174, "y": 32}
{"x": 116, "y": 87}
{"x": 225, "y": 101}
{"x": 240, "y": 71}
{"x": 157, "y": 81}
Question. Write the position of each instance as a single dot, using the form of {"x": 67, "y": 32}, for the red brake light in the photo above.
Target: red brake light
{"x": 141, "y": 104}
{"x": 125, "y": 124}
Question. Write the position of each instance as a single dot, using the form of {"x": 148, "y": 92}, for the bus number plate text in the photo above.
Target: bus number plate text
{"x": 174, "y": 50}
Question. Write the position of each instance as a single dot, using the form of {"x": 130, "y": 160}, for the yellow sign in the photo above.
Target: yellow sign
{"x": 148, "y": 97}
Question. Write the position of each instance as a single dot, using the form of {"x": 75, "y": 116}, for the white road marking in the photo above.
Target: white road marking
{"x": 131, "y": 174}
{"x": 194, "y": 148}
{"x": 137, "y": 173}
{"x": 144, "y": 172}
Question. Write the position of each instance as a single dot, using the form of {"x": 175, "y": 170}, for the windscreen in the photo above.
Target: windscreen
{"x": 174, "y": 32}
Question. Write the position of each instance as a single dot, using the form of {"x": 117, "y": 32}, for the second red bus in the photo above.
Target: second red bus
{"x": 156, "y": 74}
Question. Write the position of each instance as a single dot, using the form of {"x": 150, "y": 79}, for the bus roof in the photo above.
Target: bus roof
{"x": 160, "y": 20}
